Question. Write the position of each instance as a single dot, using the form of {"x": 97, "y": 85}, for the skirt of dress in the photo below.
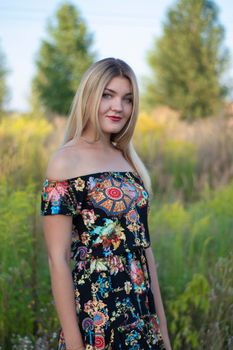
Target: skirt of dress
{"x": 115, "y": 307}
{"x": 142, "y": 335}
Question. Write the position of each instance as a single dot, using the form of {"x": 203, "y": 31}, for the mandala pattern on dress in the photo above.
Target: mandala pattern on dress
{"x": 113, "y": 195}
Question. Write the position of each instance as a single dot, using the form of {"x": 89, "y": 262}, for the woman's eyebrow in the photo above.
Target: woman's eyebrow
{"x": 114, "y": 92}
{"x": 110, "y": 90}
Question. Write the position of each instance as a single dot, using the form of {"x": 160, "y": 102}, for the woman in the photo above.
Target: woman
{"x": 95, "y": 203}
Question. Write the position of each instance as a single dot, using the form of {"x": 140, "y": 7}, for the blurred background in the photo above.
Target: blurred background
{"x": 181, "y": 51}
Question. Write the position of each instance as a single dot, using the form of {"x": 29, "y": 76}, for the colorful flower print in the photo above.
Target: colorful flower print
{"x": 79, "y": 184}
{"x": 54, "y": 190}
{"x": 89, "y": 217}
{"x": 143, "y": 195}
{"x": 87, "y": 324}
{"x": 128, "y": 287}
{"x": 58, "y": 198}
{"x": 85, "y": 238}
{"x": 115, "y": 264}
{"x": 99, "y": 342}
{"x": 136, "y": 273}
{"x": 113, "y": 298}
{"x": 109, "y": 234}
{"x": 98, "y": 265}
{"x": 132, "y": 216}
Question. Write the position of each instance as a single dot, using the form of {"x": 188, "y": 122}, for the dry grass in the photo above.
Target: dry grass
{"x": 202, "y": 151}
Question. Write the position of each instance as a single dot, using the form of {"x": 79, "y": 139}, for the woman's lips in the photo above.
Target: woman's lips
{"x": 114, "y": 118}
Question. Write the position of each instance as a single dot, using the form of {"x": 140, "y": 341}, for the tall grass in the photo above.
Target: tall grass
{"x": 185, "y": 159}
{"x": 26, "y": 308}
{"x": 191, "y": 244}
{"x": 191, "y": 224}
{"x": 190, "y": 239}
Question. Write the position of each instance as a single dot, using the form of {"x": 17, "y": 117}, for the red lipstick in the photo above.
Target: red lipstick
{"x": 114, "y": 118}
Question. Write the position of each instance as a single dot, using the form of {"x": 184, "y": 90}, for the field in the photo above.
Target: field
{"x": 191, "y": 227}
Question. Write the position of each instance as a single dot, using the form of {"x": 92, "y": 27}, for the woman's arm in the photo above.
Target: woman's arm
{"x": 57, "y": 231}
{"x": 157, "y": 297}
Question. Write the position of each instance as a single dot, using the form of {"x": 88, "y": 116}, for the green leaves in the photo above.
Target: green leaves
{"x": 188, "y": 61}
{"x": 62, "y": 60}
{"x": 192, "y": 246}
{"x": 188, "y": 312}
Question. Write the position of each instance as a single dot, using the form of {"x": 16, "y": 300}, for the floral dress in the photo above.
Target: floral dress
{"x": 114, "y": 302}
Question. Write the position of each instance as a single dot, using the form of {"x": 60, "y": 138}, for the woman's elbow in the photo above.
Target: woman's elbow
{"x": 57, "y": 261}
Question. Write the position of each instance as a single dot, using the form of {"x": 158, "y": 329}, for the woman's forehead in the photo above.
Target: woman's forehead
{"x": 119, "y": 82}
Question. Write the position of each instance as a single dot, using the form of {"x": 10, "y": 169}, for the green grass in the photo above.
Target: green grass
{"x": 188, "y": 243}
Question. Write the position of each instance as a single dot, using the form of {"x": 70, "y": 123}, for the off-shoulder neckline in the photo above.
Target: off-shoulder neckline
{"x": 96, "y": 173}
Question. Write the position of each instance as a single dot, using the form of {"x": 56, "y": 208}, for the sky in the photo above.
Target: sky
{"x": 124, "y": 29}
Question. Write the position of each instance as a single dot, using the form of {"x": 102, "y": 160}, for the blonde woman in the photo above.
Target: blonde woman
{"x": 95, "y": 205}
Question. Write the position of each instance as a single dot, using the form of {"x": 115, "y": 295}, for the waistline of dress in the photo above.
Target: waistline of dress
{"x": 83, "y": 256}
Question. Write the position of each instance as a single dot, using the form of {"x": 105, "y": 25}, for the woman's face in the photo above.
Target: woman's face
{"x": 116, "y": 105}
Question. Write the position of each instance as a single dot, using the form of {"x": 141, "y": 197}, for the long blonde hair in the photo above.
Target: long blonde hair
{"x": 86, "y": 105}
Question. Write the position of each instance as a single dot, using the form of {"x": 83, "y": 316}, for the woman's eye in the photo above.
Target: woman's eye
{"x": 106, "y": 95}
{"x": 128, "y": 99}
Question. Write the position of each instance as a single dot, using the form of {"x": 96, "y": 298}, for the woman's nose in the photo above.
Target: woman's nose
{"x": 116, "y": 105}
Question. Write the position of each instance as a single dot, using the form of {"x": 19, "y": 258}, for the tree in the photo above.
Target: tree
{"x": 3, "y": 86}
{"x": 62, "y": 60}
{"x": 188, "y": 61}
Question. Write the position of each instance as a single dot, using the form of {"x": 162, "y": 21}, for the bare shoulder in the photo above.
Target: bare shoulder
{"x": 62, "y": 163}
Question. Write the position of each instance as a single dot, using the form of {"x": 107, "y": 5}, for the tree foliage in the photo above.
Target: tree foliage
{"x": 62, "y": 59}
{"x": 188, "y": 60}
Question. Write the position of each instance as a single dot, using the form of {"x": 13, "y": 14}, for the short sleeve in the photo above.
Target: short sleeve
{"x": 60, "y": 197}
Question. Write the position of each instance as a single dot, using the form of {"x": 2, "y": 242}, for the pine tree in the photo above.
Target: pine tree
{"x": 188, "y": 61}
{"x": 62, "y": 60}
